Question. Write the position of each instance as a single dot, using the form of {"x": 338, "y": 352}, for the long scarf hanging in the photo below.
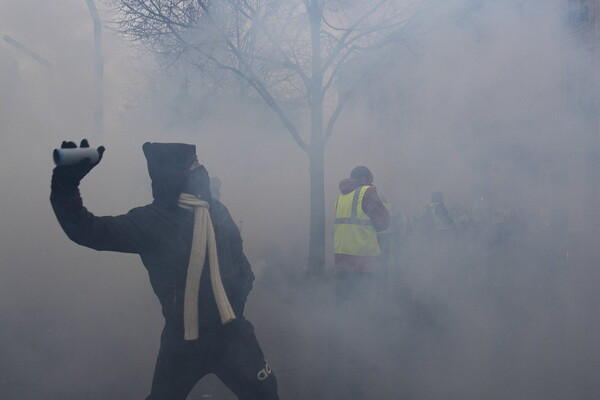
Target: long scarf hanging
{"x": 203, "y": 240}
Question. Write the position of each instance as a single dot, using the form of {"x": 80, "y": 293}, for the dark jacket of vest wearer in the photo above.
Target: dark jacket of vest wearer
{"x": 161, "y": 234}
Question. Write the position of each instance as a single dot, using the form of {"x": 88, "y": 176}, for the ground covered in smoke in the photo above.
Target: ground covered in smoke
{"x": 484, "y": 314}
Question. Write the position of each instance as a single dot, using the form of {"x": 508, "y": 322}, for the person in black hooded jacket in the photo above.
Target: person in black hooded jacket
{"x": 162, "y": 234}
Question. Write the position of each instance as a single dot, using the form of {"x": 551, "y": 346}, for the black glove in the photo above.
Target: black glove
{"x": 73, "y": 174}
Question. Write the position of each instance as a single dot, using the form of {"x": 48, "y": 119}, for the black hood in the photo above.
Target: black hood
{"x": 168, "y": 166}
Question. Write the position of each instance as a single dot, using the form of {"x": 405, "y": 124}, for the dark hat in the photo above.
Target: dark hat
{"x": 168, "y": 166}
{"x": 361, "y": 172}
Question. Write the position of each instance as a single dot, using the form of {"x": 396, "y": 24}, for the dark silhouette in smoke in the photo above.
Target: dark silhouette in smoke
{"x": 205, "y": 330}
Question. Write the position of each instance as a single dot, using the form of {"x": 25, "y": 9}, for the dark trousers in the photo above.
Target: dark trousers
{"x": 231, "y": 352}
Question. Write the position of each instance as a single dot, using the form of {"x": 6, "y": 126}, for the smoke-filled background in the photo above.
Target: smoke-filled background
{"x": 495, "y": 106}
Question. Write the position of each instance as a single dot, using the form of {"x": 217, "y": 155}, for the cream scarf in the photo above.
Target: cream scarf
{"x": 203, "y": 239}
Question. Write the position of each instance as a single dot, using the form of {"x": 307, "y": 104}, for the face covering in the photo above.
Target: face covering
{"x": 198, "y": 183}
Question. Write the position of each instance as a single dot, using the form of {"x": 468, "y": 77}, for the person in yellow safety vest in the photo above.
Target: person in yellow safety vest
{"x": 359, "y": 215}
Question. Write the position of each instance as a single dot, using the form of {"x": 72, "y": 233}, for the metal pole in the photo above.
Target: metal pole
{"x": 98, "y": 69}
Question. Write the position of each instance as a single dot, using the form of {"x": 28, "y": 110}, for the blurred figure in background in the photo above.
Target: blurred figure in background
{"x": 359, "y": 215}
{"x": 215, "y": 188}
{"x": 436, "y": 219}
{"x": 386, "y": 241}
{"x": 481, "y": 213}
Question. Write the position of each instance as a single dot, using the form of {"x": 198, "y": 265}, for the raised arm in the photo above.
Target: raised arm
{"x": 119, "y": 233}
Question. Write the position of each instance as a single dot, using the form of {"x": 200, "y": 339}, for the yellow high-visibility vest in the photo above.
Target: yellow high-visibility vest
{"x": 354, "y": 231}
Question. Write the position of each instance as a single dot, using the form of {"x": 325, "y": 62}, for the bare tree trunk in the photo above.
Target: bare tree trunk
{"x": 316, "y": 245}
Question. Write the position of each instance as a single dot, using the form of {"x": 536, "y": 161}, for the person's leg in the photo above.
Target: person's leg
{"x": 178, "y": 368}
{"x": 242, "y": 366}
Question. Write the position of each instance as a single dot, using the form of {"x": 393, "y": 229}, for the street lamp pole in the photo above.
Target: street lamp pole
{"x": 98, "y": 70}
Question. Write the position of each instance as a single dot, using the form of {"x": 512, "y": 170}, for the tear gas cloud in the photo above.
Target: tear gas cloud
{"x": 476, "y": 107}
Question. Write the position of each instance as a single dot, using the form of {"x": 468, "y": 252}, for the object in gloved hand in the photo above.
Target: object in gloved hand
{"x": 80, "y": 161}
{"x": 74, "y": 155}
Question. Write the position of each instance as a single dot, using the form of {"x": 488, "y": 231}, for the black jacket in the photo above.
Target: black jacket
{"x": 161, "y": 234}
